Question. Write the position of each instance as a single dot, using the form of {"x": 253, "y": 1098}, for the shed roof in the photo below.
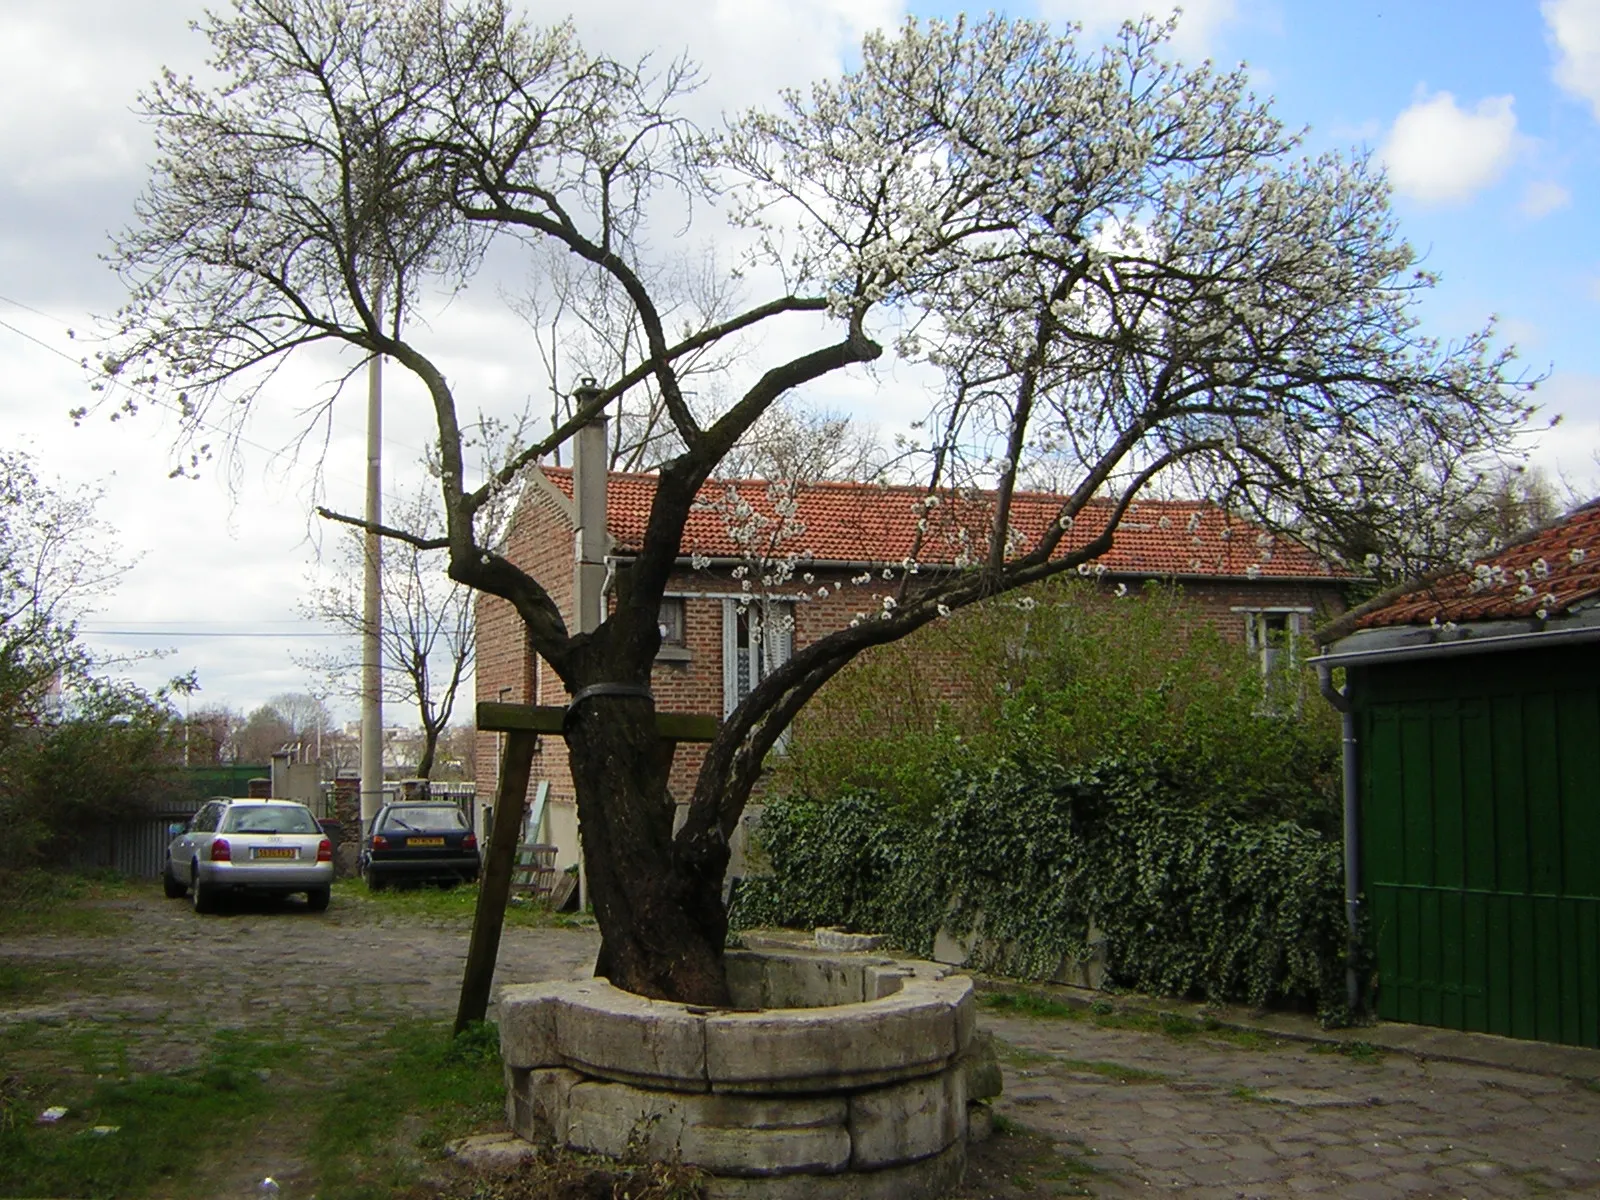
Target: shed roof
{"x": 873, "y": 523}
{"x": 1540, "y": 576}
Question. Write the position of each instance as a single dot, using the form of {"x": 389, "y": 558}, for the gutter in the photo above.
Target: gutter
{"x": 845, "y": 564}
{"x": 1340, "y": 699}
{"x": 1458, "y": 647}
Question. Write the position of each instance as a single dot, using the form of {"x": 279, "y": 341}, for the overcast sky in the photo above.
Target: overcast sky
{"x": 1485, "y": 112}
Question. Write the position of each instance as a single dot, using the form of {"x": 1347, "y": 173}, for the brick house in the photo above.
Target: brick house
{"x": 842, "y": 538}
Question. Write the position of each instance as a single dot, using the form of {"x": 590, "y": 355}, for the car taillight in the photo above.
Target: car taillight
{"x": 221, "y": 851}
{"x": 324, "y": 851}
{"x": 379, "y": 842}
{"x": 470, "y": 842}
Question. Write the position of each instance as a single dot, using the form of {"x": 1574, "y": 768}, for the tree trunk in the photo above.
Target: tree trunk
{"x": 430, "y": 745}
{"x": 661, "y": 919}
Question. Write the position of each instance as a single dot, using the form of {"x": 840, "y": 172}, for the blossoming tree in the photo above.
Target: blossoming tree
{"x": 1113, "y": 262}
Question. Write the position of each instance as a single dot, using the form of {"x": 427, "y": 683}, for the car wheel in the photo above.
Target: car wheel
{"x": 317, "y": 899}
{"x": 375, "y": 882}
{"x": 172, "y": 888}
{"x": 203, "y": 895}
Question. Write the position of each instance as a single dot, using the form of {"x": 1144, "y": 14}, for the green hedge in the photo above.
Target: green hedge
{"x": 1189, "y": 902}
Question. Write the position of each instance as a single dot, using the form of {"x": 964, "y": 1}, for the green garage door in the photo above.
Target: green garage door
{"x": 1481, "y": 841}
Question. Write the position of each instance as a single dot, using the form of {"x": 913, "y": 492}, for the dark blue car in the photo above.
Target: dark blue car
{"x": 419, "y": 842}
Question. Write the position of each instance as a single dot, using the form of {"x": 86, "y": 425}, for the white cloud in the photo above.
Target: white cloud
{"x": 1439, "y": 153}
{"x": 1197, "y": 27}
{"x": 1573, "y": 27}
{"x": 1543, "y": 197}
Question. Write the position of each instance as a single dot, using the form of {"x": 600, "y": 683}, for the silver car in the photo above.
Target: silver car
{"x": 261, "y": 846}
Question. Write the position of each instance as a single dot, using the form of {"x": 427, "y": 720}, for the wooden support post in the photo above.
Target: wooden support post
{"x": 510, "y": 803}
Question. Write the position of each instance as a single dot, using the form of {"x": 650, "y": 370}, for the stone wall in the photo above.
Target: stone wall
{"x": 847, "y": 1077}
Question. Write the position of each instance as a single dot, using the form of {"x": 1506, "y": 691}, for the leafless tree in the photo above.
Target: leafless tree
{"x": 1101, "y": 251}
{"x": 426, "y": 625}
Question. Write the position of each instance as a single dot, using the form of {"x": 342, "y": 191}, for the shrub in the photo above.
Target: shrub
{"x": 1189, "y": 902}
{"x": 1067, "y": 677}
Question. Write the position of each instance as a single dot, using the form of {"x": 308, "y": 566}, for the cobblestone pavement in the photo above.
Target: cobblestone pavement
{"x": 171, "y": 978}
{"x": 1123, "y": 1111}
{"x": 1141, "y": 1112}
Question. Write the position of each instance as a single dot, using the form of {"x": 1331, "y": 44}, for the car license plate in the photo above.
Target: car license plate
{"x": 276, "y": 852}
{"x": 439, "y": 841}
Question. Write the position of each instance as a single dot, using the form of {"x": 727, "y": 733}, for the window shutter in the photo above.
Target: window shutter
{"x": 730, "y": 657}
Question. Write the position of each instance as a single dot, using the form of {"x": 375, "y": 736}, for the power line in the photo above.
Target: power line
{"x": 155, "y": 401}
{"x": 205, "y": 633}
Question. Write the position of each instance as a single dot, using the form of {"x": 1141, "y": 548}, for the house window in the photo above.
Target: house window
{"x": 757, "y": 637}
{"x": 671, "y": 622}
{"x": 1272, "y": 634}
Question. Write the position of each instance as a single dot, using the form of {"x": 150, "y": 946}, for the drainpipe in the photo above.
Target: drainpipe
{"x": 1340, "y": 699}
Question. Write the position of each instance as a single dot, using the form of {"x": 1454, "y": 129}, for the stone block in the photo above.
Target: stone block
{"x": 527, "y": 1019}
{"x": 730, "y": 1150}
{"x": 907, "y": 1121}
{"x": 741, "y": 1135}
{"x": 537, "y": 1102}
{"x": 980, "y": 1122}
{"x": 838, "y": 941}
{"x": 901, "y": 1036}
{"x": 616, "y": 1035}
{"x": 924, "y": 1180}
{"x": 883, "y": 981}
{"x": 746, "y": 974}
{"x": 952, "y": 948}
{"x": 803, "y": 981}
{"x": 966, "y": 1014}
{"x": 624, "y": 1121}
{"x": 981, "y": 1068}
{"x": 491, "y": 1151}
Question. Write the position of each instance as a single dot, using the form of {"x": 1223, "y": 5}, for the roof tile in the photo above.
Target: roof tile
{"x": 1540, "y": 576}
{"x": 872, "y": 523}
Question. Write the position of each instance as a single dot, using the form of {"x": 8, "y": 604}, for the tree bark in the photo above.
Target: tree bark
{"x": 661, "y": 919}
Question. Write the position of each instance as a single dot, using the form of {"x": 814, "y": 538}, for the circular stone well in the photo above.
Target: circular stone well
{"x": 838, "y": 1077}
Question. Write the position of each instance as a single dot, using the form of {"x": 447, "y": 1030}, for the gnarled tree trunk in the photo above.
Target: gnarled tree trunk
{"x": 661, "y": 918}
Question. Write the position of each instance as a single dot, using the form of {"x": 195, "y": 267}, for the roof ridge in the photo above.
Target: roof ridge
{"x": 920, "y": 489}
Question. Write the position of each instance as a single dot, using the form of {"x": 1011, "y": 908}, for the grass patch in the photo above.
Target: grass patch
{"x": 62, "y": 903}
{"x": 1027, "y": 1004}
{"x": 415, "y": 1090}
{"x": 1357, "y": 1052}
{"x": 430, "y": 902}
{"x": 22, "y": 981}
{"x": 1114, "y": 1071}
{"x": 1243, "y": 1091}
{"x": 153, "y": 1129}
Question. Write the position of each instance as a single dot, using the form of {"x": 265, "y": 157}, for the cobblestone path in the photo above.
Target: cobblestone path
{"x": 1139, "y": 1113}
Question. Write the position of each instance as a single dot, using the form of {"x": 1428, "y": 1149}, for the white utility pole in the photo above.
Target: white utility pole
{"x": 590, "y": 545}
{"x": 372, "y": 603}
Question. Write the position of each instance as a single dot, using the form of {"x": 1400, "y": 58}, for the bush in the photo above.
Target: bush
{"x": 1063, "y": 678}
{"x": 1189, "y": 902}
{"x": 110, "y": 751}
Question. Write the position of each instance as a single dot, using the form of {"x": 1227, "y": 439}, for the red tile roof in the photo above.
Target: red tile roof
{"x": 870, "y": 523}
{"x": 1545, "y": 573}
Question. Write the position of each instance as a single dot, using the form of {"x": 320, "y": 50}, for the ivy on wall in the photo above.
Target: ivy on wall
{"x": 1189, "y": 902}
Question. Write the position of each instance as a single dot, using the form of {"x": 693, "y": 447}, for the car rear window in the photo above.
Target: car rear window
{"x": 270, "y": 818}
{"x": 434, "y": 816}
